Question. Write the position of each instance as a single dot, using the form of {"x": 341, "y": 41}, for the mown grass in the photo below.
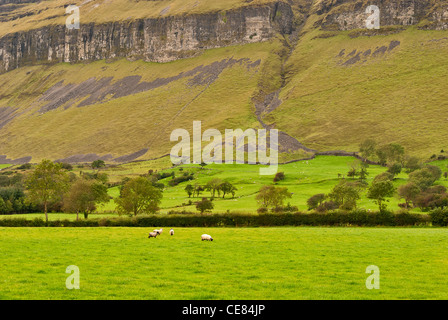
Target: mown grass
{"x": 243, "y": 263}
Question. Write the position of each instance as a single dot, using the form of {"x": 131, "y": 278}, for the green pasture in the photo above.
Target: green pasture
{"x": 242, "y": 263}
{"x": 303, "y": 179}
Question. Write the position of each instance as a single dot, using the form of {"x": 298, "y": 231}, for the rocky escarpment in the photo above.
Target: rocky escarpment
{"x": 351, "y": 14}
{"x": 160, "y": 40}
{"x": 169, "y": 38}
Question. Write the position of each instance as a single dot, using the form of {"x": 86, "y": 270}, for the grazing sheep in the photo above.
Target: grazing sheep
{"x": 172, "y": 232}
{"x": 153, "y": 235}
{"x": 159, "y": 231}
{"x": 206, "y": 237}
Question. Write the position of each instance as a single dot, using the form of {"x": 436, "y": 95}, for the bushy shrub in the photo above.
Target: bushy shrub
{"x": 404, "y": 218}
{"x": 163, "y": 175}
{"x": 278, "y": 209}
{"x": 262, "y": 210}
{"x": 314, "y": 201}
{"x": 37, "y": 222}
{"x": 66, "y": 166}
{"x": 439, "y": 217}
{"x": 327, "y": 206}
{"x": 25, "y": 166}
{"x": 204, "y": 205}
{"x": 290, "y": 208}
{"x": 183, "y": 178}
{"x": 279, "y": 176}
{"x": 179, "y": 212}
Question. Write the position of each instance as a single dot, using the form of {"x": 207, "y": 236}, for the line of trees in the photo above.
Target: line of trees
{"x": 215, "y": 186}
{"x": 420, "y": 190}
{"x": 52, "y": 185}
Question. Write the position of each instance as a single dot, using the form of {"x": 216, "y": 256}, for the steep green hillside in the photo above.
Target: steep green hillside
{"x": 321, "y": 78}
{"x": 215, "y": 88}
{"x": 391, "y": 87}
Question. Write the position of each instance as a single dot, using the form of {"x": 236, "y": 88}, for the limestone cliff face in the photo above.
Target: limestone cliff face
{"x": 159, "y": 40}
{"x": 169, "y": 38}
{"x": 351, "y": 14}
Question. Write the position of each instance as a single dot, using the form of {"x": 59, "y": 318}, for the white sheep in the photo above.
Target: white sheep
{"x": 158, "y": 231}
{"x": 172, "y": 232}
{"x": 153, "y": 235}
{"x": 206, "y": 237}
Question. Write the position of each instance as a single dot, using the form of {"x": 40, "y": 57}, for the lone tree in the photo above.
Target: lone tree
{"x": 270, "y": 196}
{"x": 314, "y": 201}
{"x": 138, "y": 195}
{"x": 411, "y": 164}
{"x": 198, "y": 189}
{"x": 395, "y": 169}
{"x": 47, "y": 183}
{"x": 84, "y": 195}
{"x": 227, "y": 187}
{"x": 379, "y": 191}
{"x": 409, "y": 193}
{"x": 345, "y": 194}
{"x": 367, "y": 148}
{"x": 189, "y": 189}
{"x": 204, "y": 205}
{"x": 98, "y": 164}
{"x": 363, "y": 173}
{"x": 214, "y": 185}
{"x": 390, "y": 153}
{"x": 279, "y": 176}
{"x": 424, "y": 178}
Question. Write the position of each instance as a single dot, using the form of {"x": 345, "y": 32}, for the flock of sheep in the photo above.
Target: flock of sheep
{"x": 158, "y": 232}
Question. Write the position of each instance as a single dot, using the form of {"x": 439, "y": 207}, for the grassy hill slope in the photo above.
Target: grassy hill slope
{"x": 327, "y": 89}
{"x": 333, "y": 102}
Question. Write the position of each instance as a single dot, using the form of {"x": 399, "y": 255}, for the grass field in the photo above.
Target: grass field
{"x": 303, "y": 179}
{"x": 243, "y": 263}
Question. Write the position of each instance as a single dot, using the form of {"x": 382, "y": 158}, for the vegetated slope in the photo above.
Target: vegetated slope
{"x": 309, "y": 68}
{"x": 115, "y": 109}
{"x": 393, "y": 88}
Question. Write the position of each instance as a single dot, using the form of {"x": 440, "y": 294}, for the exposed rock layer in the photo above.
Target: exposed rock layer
{"x": 160, "y": 40}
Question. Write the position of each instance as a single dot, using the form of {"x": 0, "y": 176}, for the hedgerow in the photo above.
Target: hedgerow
{"x": 333, "y": 218}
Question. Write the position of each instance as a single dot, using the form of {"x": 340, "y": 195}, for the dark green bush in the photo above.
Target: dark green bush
{"x": 404, "y": 218}
{"x": 36, "y": 222}
{"x": 262, "y": 210}
{"x": 439, "y": 217}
